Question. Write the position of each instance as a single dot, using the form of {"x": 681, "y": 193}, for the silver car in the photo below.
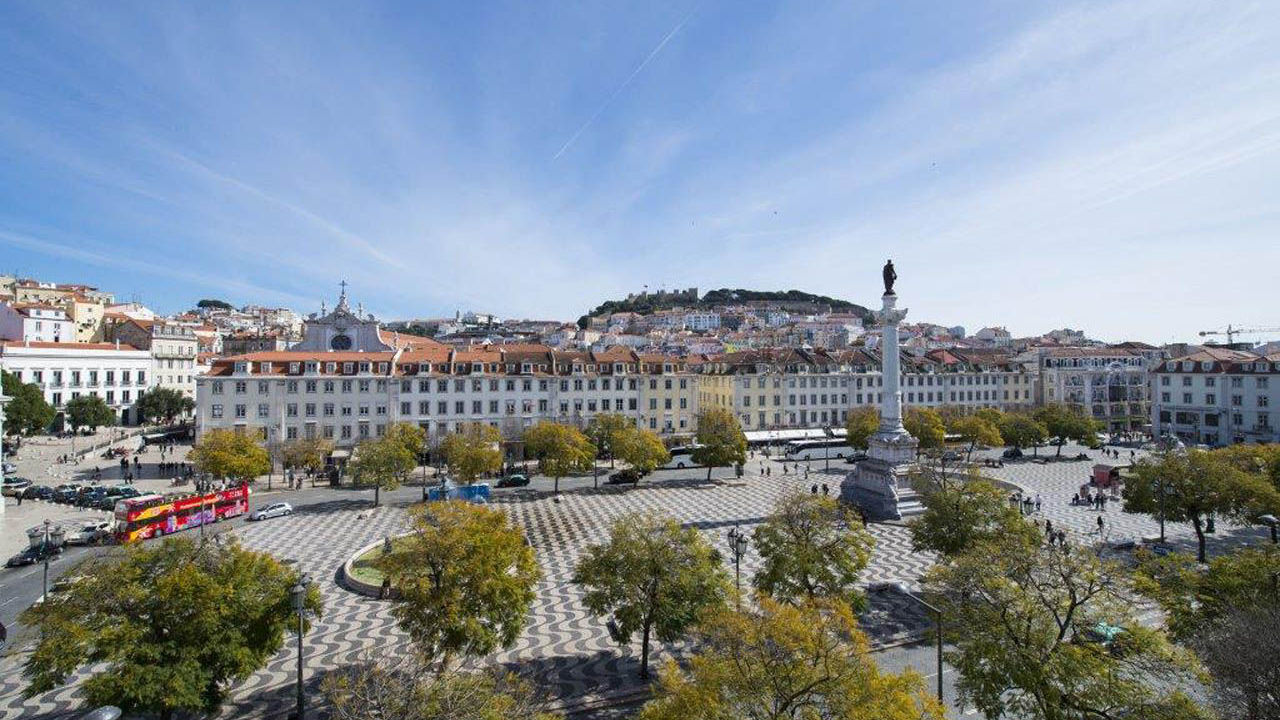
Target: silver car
{"x": 89, "y": 533}
{"x": 279, "y": 509}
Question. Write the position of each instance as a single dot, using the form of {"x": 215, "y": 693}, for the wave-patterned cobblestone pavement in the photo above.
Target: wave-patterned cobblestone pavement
{"x": 563, "y": 645}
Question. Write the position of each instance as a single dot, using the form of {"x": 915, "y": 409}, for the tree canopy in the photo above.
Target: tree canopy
{"x": 161, "y": 403}
{"x": 307, "y": 453}
{"x": 382, "y": 464}
{"x": 560, "y": 449}
{"x": 976, "y": 430}
{"x": 465, "y": 579}
{"x": 861, "y": 424}
{"x": 812, "y": 548}
{"x": 652, "y": 577}
{"x": 785, "y": 662}
{"x": 1067, "y": 423}
{"x": 964, "y": 512}
{"x": 27, "y": 412}
{"x": 213, "y": 304}
{"x": 1189, "y": 486}
{"x": 166, "y": 627}
{"x": 606, "y": 430}
{"x": 641, "y": 449}
{"x": 89, "y": 411}
{"x": 405, "y": 687}
{"x": 1229, "y": 613}
{"x": 1022, "y": 431}
{"x": 720, "y": 441}
{"x": 230, "y": 454}
{"x": 1051, "y": 633}
{"x": 472, "y": 450}
{"x": 926, "y": 425}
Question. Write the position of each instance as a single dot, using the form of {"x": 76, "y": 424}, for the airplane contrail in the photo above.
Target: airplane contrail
{"x": 652, "y": 54}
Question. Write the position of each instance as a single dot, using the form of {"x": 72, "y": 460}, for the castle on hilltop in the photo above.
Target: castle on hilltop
{"x": 690, "y": 295}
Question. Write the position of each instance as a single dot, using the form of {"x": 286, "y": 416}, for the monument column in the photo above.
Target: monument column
{"x": 890, "y": 365}
{"x": 879, "y": 484}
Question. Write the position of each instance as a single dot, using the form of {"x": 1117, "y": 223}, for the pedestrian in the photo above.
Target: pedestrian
{"x": 825, "y": 490}
{"x": 1132, "y": 455}
{"x": 1037, "y": 502}
{"x": 813, "y": 489}
{"x": 1099, "y": 524}
{"x": 20, "y": 494}
{"x": 863, "y": 515}
{"x": 1048, "y": 528}
{"x": 1102, "y": 499}
{"x": 1062, "y": 538}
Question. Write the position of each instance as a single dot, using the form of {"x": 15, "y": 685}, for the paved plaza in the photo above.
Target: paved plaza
{"x": 566, "y": 648}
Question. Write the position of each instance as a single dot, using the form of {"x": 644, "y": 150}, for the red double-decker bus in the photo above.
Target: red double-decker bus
{"x": 149, "y": 516}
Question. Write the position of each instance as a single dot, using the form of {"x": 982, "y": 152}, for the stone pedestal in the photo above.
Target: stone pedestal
{"x": 879, "y": 485}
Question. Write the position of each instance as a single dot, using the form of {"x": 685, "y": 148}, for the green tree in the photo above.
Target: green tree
{"x": 1022, "y": 431}
{"x": 1229, "y": 613}
{"x": 381, "y": 463}
{"x": 861, "y": 424}
{"x": 812, "y": 548}
{"x": 784, "y": 662}
{"x": 164, "y": 628}
{"x": 472, "y": 450}
{"x": 641, "y": 449}
{"x": 1191, "y": 486}
{"x": 89, "y": 411}
{"x": 962, "y": 513}
{"x": 1027, "y": 626}
{"x": 410, "y": 436}
{"x": 720, "y": 441}
{"x": 465, "y": 579}
{"x": 976, "y": 429}
{"x": 160, "y": 403}
{"x": 230, "y": 454}
{"x": 653, "y": 577}
{"x": 307, "y": 453}
{"x": 406, "y": 687}
{"x": 560, "y": 449}
{"x": 1066, "y": 423}
{"x": 927, "y": 427}
{"x": 605, "y": 430}
{"x": 212, "y": 304}
{"x": 27, "y": 412}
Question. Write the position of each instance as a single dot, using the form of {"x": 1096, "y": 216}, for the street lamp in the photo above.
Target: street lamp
{"x": 299, "y": 595}
{"x": 738, "y": 547}
{"x": 45, "y": 551}
{"x": 937, "y": 613}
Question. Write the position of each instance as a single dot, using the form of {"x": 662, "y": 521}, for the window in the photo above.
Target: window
{"x": 241, "y": 387}
{"x": 1210, "y": 399}
{"x": 328, "y": 409}
{"x": 216, "y": 387}
{"x": 263, "y": 410}
{"x": 1210, "y": 381}
{"x": 310, "y": 409}
{"x": 291, "y": 410}
{"x": 240, "y": 411}
{"x": 1186, "y": 398}
{"x": 311, "y": 386}
{"x": 214, "y": 410}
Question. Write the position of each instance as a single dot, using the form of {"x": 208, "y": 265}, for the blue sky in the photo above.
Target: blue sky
{"x": 1107, "y": 165}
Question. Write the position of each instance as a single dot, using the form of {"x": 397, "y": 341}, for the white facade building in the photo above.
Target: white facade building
{"x": 35, "y": 322}
{"x": 1217, "y": 397}
{"x": 118, "y": 374}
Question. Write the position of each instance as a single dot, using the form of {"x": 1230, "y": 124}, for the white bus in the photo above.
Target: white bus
{"x": 817, "y": 449}
{"x": 681, "y": 457}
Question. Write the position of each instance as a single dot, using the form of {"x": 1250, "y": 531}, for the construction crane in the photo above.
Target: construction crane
{"x": 1232, "y": 331}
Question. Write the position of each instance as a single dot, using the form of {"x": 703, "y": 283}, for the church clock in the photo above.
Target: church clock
{"x": 341, "y": 341}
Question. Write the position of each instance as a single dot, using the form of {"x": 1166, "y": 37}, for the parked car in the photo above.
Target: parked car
{"x": 1012, "y": 453}
{"x": 951, "y": 456}
{"x": 37, "y": 492}
{"x": 89, "y": 533}
{"x": 855, "y": 457}
{"x": 279, "y": 509}
{"x": 65, "y": 493}
{"x": 91, "y": 498}
{"x": 513, "y": 480}
{"x": 33, "y": 555}
{"x": 8, "y": 468}
{"x": 14, "y": 485}
{"x": 624, "y": 477}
